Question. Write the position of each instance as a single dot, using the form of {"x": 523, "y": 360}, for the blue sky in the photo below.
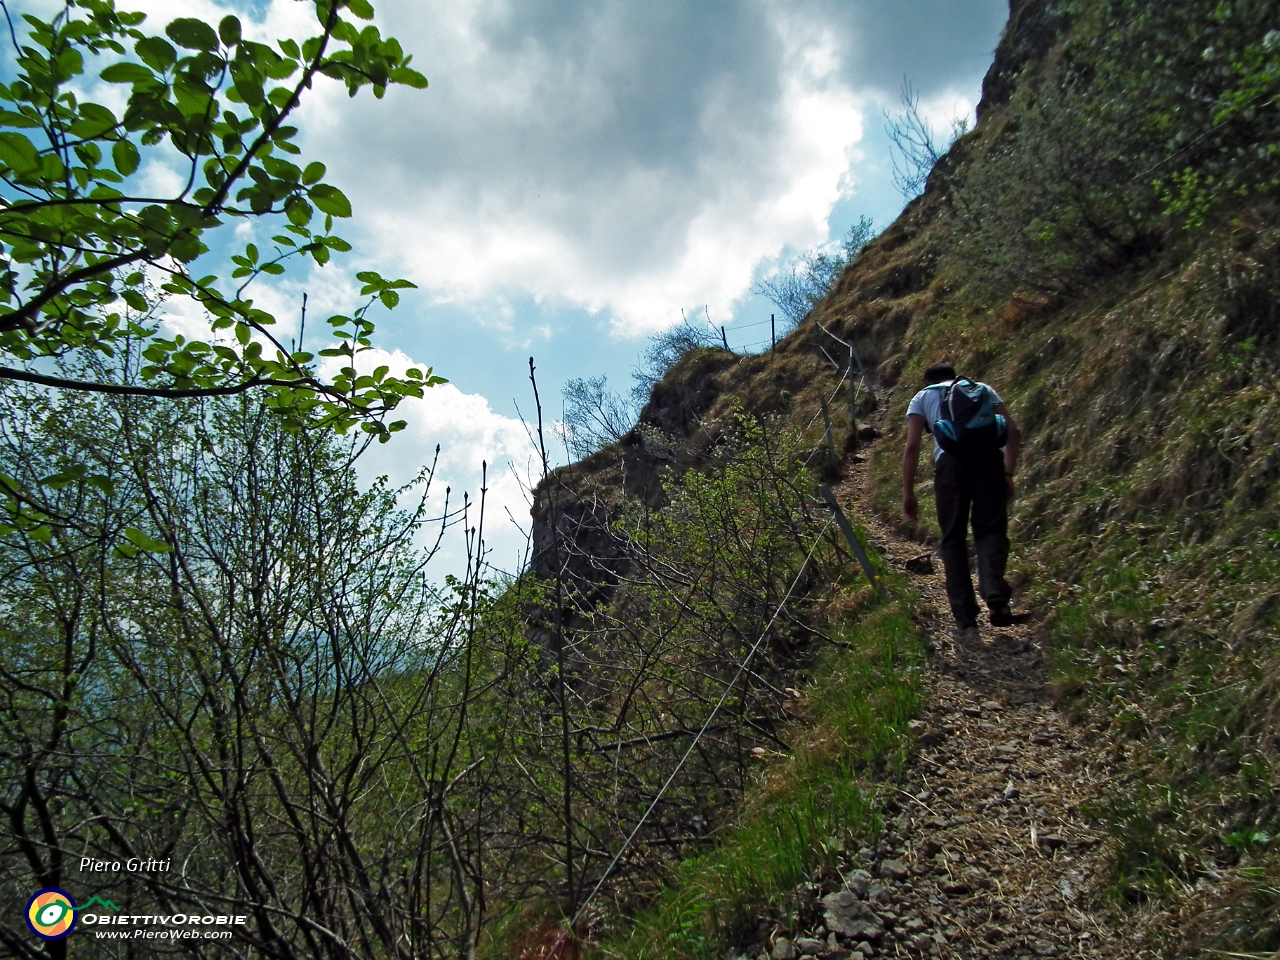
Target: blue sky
{"x": 579, "y": 172}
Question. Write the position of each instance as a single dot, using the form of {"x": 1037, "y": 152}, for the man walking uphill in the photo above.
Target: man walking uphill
{"x": 974, "y": 459}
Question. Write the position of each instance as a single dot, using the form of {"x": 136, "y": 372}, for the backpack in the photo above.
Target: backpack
{"x": 969, "y": 425}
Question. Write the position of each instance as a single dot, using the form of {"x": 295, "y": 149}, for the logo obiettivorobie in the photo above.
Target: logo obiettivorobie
{"x": 51, "y": 914}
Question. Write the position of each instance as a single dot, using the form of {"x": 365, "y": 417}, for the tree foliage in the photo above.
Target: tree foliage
{"x": 664, "y": 351}
{"x": 596, "y": 415}
{"x": 693, "y": 634}
{"x": 90, "y": 262}
{"x": 802, "y": 288}
{"x": 914, "y": 145}
{"x": 1155, "y": 115}
{"x": 230, "y": 658}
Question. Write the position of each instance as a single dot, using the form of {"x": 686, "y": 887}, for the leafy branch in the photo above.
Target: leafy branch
{"x": 78, "y": 250}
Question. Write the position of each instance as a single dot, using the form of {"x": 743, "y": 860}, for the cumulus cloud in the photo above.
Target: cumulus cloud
{"x": 629, "y": 159}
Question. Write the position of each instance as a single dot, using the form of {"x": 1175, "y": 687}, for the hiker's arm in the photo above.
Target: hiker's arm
{"x": 1012, "y": 446}
{"x": 910, "y": 460}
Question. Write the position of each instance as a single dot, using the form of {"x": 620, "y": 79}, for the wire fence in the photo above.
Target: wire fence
{"x": 724, "y": 696}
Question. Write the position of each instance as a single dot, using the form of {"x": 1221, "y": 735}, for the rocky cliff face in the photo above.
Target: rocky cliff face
{"x": 1033, "y": 27}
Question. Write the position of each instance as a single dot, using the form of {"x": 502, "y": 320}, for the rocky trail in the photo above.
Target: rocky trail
{"x": 987, "y": 850}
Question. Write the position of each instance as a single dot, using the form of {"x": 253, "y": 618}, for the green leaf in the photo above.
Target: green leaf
{"x": 361, "y": 8}
{"x": 10, "y": 119}
{"x": 330, "y": 200}
{"x": 125, "y": 156}
{"x": 314, "y": 173}
{"x": 229, "y": 30}
{"x": 18, "y": 152}
{"x": 127, "y": 73}
{"x": 281, "y": 69}
{"x": 102, "y": 483}
{"x": 142, "y": 542}
{"x": 298, "y": 211}
{"x": 243, "y": 333}
{"x": 156, "y": 52}
{"x": 192, "y": 33}
{"x": 95, "y": 119}
{"x": 282, "y": 169}
{"x": 248, "y": 83}
{"x": 390, "y": 299}
{"x": 408, "y": 77}
{"x": 65, "y": 478}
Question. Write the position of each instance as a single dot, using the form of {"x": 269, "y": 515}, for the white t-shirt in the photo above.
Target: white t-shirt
{"x": 928, "y": 404}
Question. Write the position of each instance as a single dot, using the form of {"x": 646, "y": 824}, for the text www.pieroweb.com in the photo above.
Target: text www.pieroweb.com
{"x": 161, "y": 927}
{"x": 172, "y": 934}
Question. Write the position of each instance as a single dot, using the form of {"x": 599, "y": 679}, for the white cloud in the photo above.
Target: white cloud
{"x": 946, "y": 108}
{"x": 626, "y": 159}
{"x": 598, "y": 157}
{"x": 470, "y": 435}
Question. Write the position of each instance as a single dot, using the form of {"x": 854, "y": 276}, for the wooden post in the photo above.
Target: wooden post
{"x": 826, "y": 419}
{"x": 853, "y": 403}
{"x": 724, "y": 339}
{"x": 852, "y": 538}
{"x": 858, "y": 360}
{"x": 773, "y": 333}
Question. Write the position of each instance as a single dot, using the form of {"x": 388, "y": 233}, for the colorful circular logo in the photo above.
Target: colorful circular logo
{"x": 51, "y": 914}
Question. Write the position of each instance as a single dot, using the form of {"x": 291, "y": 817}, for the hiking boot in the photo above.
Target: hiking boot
{"x": 1001, "y": 616}
{"x": 967, "y": 632}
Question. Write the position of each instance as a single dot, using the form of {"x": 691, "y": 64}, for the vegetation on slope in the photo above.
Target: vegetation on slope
{"x": 816, "y": 801}
{"x": 1100, "y": 248}
{"x": 1111, "y": 269}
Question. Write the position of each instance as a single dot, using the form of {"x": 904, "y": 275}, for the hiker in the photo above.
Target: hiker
{"x": 975, "y": 457}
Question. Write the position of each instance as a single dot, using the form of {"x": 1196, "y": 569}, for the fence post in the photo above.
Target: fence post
{"x": 826, "y": 419}
{"x": 773, "y": 333}
{"x": 724, "y": 338}
{"x": 853, "y": 402}
{"x": 854, "y": 543}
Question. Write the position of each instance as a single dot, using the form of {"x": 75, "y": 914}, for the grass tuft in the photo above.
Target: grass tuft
{"x": 805, "y": 809}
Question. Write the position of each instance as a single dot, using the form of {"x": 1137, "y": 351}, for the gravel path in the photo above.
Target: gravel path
{"x": 987, "y": 851}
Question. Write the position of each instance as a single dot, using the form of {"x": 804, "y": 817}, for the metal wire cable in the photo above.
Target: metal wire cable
{"x": 706, "y": 724}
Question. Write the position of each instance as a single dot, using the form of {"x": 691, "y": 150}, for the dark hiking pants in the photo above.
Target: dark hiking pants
{"x": 964, "y": 490}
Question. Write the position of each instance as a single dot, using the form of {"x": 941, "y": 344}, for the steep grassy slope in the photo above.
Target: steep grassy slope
{"x": 1103, "y": 248}
{"x": 1141, "y": 362}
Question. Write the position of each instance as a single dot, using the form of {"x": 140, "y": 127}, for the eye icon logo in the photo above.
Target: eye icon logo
{"x": 51, "y": 914}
